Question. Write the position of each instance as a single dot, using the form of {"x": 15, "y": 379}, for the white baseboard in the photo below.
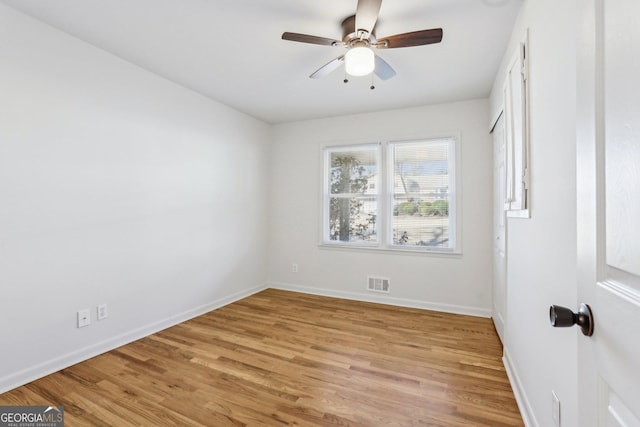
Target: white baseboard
{"x": 384, "y": 299}
{"x": 25, "y": 376}
{"x": 498, "y": 323}
{"x": 521, "y": 397}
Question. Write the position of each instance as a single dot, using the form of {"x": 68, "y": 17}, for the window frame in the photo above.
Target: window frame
{"x": 384, "y": 190}
{"x": 452, "y": 199}
{"x": 326, "y": 194}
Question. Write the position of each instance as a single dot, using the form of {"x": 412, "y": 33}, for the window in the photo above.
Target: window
{"x": 393, "y": 195}
{"x": 351, "y": 205}
{"x": 420, "y": 193}
{"x": 516, "y": 111}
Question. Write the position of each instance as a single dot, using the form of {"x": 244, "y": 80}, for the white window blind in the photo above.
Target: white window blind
{"x": 421, "y": 182}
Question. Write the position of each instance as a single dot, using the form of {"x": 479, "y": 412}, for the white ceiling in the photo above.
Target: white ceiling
{"x": 231, "y": 50}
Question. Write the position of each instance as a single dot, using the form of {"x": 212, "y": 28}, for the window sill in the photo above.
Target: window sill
{"x": 395, "y": 251}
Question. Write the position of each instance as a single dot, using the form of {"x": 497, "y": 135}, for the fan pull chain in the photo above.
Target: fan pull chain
{"x": 372, "y": 87}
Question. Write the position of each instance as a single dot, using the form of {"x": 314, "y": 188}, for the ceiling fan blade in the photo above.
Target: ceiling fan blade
{"x": 306, "y": 38}
{"x": 383, "y": 70}
{"x": 328, "y": 68}
{"x": 367, "y": 14}
{"x": 415, "y": 38}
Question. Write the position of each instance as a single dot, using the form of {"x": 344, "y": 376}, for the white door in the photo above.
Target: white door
{"x": 499, "y": 232}
{"x": 608, "y": 209}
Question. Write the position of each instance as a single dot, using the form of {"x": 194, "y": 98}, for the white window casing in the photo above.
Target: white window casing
{"x": 396, "y": 195}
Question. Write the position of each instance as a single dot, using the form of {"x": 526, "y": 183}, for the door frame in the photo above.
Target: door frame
{"x": 499, "y": 314}
{"x": 589, "y": 192}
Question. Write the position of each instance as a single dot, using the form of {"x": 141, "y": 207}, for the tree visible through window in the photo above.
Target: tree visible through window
{"x": 406, "y": 189}
{"x": 352, "y": 202}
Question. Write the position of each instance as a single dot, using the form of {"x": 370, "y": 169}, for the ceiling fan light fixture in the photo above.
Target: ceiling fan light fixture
{"x": 359, "y": 61}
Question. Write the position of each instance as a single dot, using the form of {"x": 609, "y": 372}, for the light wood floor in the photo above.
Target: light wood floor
{"x": 281, "y": 358}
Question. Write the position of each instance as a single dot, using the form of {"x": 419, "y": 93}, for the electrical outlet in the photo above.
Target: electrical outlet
{"x": 555, "y": 409}
{"x": 294, "y": 268}
{"x": 84, "y": 318}
{"x": 102, "y": 312}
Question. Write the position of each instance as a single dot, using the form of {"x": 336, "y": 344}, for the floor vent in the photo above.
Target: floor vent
{"x": 378, "y": 284}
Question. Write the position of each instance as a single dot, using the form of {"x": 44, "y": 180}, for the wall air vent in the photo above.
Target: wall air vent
{"x": 378, "y": 284}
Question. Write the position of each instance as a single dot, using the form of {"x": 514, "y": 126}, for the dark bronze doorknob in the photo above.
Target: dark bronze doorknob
{"x": 562, "y": 317}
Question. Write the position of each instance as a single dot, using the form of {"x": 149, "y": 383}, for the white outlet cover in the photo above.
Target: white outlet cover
{"x": 103, "y": 313}
{"x": 84, "y": 318}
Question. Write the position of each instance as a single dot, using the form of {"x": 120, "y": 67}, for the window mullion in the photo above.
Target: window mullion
{"x": 385, "y": 195}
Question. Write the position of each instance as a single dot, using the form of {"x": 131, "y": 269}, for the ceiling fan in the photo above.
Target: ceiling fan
{"x": 358, "y": 37}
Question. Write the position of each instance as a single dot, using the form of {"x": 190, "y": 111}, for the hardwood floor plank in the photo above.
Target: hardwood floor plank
{"x": 281, "y": 358}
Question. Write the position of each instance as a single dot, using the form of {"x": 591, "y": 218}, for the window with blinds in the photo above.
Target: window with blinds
{"x": 420, "y": 182}
{"x": 392, "y": 195}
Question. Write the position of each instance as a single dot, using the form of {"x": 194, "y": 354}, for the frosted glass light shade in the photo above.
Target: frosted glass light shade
{"x": 359, "y": 61}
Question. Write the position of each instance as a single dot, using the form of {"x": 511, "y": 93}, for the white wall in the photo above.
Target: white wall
{"x": 117, "y": 187}
{"x": 450, "y": 283}
{"x": 541, "y": 260}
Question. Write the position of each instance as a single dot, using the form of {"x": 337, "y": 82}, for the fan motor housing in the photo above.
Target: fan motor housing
{"x": 349, "y": 35}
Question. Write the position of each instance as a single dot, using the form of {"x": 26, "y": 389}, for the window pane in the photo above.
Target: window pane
{"x": 353, "y": 194}
{"x": 352, "y": 219}
{"x": 421, "y": 193}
